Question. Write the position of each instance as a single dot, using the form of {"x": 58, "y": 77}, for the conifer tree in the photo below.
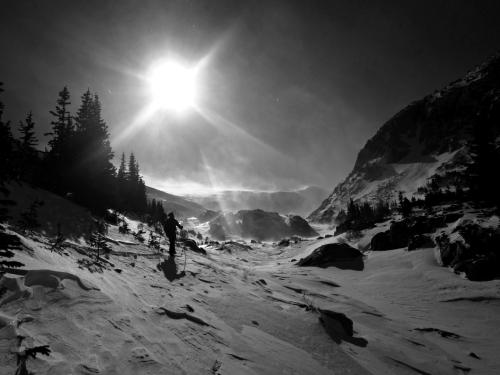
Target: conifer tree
{"x": 27, "y": 158}
{"x": 6, "y": 146}
{"x": 62, "y": 125}
{"x": 95, "y": 181}
{"x": 60, "y": 161}
{"x": 28, "y": 138}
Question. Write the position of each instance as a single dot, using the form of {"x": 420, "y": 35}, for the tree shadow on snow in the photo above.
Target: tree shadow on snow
{"x": 169, "y": 269}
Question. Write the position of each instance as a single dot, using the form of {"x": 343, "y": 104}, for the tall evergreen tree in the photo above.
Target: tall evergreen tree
{"x": 121, "y": 185}
{"x": 122, "y": 170}
{"x": 26, "y": 129}
{"x": 62, "y": 125}
{"x": 96, "y": 174}
{"x": 8, "y": 242}
{"x": 6, "y": 146}
{"x": 60, "y": 162}
{"x": 27, "y": 158}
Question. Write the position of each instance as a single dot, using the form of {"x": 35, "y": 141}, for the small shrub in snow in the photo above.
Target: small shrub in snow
{"x": 154, "y": 241}
{"x": 98, "y": 241}
{"x": 123, "y": 228}
{"x": 58, "y": 240}
{"x": 139, "y": 235}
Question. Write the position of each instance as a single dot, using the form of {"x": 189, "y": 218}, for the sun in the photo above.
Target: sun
{"x": 173, "y": 86}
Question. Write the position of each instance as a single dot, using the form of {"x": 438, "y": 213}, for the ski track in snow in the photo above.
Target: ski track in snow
{"x": 254, "y": 312}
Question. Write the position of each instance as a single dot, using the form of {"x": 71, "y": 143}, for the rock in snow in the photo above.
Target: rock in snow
{"x": 339, "y": 255}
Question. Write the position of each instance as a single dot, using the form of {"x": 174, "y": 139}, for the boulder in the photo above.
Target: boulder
{"x": 193, "y": 246}
{"x": 420, "y": 241}
{"x": 381, "y": 241}
{"x": 471, "y": 249}
{"x": 400, "y": 234}
{"x": 396, "y": 237}
{"x": 339, "y": 323}
{"x": 481, "y": 269}
{"x": 450, "y": 251}
{"x": 232, "y": 246}
{"x": 338, "y": 255}
{"x": 284, "y": 242}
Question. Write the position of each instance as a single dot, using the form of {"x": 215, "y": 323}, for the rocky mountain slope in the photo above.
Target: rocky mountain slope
{"x": 427, "y": 138}
{"x": 259, "y": 225}
{"x": 299, "y": 202}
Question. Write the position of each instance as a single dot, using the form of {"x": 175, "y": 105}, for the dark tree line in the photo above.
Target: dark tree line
{"x": 78, "y": 160}
{"x": 8, "y": 242}
{"x": 359, "y": 216}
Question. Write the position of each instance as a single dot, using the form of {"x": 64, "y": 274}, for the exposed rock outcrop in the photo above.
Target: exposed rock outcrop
{"x": 339, "y": 255}
{"x": 409, "y": 149}
{"x": 259, "y": 225}
{"x": 470, "y": 248}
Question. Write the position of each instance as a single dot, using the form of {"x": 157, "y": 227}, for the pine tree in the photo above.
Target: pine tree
{"x": 122, "y": 170}
{"x": 59, "y": 165}
{"x": 95, "y": 179}
{"x": 62, "y": 126}
{"x": 6, "y": 146}
{"x": 28, "y": 138}
{"x": 27, "y": 158}
{"x": 98, "y": 241}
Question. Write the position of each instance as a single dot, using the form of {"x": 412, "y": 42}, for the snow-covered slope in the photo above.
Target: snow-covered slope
{"x": 247, "y": 312}
{"x": 427, "y": 137}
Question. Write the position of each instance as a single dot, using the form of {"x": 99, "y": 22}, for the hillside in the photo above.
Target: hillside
{"x": 299, "y": 202}
{"x": 182, "y": 207}
{"x": 240, "y": 309}
{"x": 427, "y": 138}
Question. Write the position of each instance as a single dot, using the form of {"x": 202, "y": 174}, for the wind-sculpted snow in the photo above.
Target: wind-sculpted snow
{"x": 247, "y": 311}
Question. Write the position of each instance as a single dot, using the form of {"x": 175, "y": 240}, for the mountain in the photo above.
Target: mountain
{"x": 259, "y": 225}
{"x": 299, "y": 202}
{"x": 183, "y": 208}
{"x": 429, "y": 139}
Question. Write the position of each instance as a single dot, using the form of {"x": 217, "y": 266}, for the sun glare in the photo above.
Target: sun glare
{"x": 173, "y": 86}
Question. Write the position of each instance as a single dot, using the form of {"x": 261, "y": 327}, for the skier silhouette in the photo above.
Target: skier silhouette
{"x": 170, "y": 226}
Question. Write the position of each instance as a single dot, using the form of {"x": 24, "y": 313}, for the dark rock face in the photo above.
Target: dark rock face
{"x": 408, "y": 232}
{"x": 284, "y": 242}
{"x": 300, "y": 227}
{"x": 259, "y": 225}
{"x": 472, "y": 249}
{"x": 381, "y": 241}
{"x": 338, "y": 255}
{"x": 420, "y": 241}
{"x": 191, "y": 245}
{"x": 262, "y": 225}
{"x": 337, "y": 322}
{"x": 340, "y": 327}
{"x": 396, "y": 237}
{"x": 415, "y": 134}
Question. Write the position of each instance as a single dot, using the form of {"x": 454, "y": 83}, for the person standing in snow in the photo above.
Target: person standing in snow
{"x": 170, "y": 226}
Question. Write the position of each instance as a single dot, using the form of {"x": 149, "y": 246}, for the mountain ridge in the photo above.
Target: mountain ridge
{"x": 429, "y": 136}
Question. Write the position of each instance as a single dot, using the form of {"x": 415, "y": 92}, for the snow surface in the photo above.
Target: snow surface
{"x": 244, "y": 313}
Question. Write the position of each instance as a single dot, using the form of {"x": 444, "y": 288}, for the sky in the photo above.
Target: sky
{"x": 288, "y": 91}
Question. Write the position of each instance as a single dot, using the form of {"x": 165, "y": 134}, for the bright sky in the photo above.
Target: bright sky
{"x": 287, "y": 93}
